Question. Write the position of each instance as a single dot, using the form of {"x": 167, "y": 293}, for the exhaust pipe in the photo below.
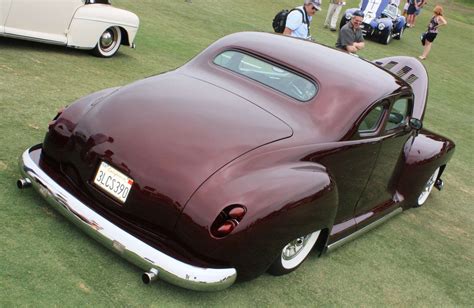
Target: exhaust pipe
{"x": 23, "y": 183}
{"x": 439, "y": 184}
{"x": 150, "y": 276}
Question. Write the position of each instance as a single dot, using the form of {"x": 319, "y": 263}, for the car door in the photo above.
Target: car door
{"x": 380, "y": 192}
{"x": 4, "y": 9}
{"x": 44, "y": 20}
{"x": 351, "y": 163}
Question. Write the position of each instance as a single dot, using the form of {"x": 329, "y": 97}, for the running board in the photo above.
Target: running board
{"x": 365, "y": 229}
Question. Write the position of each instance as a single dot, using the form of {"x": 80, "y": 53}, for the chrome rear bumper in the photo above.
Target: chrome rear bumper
{"x": 117, "y": 239}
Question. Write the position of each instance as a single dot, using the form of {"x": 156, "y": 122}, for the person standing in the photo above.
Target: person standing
{"x": 332, "y": 16}
{"x": 350, "y": 37}
{"x": 412, "y": 8}
{"x": 418, "y": 11}
{"x": 405, "y": 9}
{"x": 298, "y": 20}
{"x": 436, "y": 21}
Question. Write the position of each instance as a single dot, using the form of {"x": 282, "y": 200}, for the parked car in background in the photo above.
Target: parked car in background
{"x": 84, "y": 24}
{"x": 382, "y": 20}
{"x": 243, "y": 160}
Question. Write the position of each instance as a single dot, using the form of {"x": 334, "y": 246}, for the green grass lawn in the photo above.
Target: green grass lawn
{"x": 423, "y": 257}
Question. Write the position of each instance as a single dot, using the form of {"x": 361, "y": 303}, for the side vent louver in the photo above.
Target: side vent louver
{"x": 403, "y": 71}
{"x": 411, "y": 79}
{"x": 390, "y": 64}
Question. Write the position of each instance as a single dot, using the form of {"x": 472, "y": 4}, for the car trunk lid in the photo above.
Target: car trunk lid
{"x": 168, "y": 133}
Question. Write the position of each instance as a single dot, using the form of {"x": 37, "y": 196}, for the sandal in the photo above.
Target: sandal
{"x": 421, "y": 57}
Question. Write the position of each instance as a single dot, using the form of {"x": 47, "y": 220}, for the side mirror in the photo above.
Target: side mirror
{"x": 416, "y": 124}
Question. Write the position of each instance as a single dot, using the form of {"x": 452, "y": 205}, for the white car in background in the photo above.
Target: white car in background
{"x": 84, "y": 24}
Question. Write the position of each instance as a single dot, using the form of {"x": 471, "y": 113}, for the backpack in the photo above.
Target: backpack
{"x": 279, "y": 22}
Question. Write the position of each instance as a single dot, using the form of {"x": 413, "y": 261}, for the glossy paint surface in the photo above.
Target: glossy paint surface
{"x": 202, "y": 138}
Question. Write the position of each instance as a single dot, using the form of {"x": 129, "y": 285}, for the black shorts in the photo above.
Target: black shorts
{"x": 430, "y": 37}
{"x": 411, "y": 9}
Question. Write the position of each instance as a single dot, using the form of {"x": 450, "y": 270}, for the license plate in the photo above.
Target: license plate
{"x": 113, "y": 182}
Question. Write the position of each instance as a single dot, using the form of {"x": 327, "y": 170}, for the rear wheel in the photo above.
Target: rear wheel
{"x": 293, "y": 254}
{"x": 427, "y": 188}
{"x": 108, "y": 43}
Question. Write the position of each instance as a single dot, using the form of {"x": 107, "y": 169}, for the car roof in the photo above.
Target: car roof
{"x": 347, "y": 84}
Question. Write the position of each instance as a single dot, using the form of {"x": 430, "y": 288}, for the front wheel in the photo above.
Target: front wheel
{"x": 427, "y": 188}
{"x": 293, "y": 254}
{"x": 108, "y": 43}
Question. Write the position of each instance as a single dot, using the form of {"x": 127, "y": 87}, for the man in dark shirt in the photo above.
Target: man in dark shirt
{"x": 350, "y": 37}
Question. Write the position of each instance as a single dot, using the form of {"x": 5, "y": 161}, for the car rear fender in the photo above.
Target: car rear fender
{"x": 61, "y": 128}
{"x": 282, "y": 202}
{"x": 422, "y": 155}
{"x": 412, "y": 72}
{"x": 92, "y": 20}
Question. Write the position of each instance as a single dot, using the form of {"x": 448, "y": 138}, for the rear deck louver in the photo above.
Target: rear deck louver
{"x": 403, "y": 71}
{"x": 390, "y": 64}
{"x": 411, "y": 79}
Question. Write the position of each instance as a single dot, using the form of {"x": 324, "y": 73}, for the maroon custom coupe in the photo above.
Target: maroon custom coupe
{"x": 256, "y": 152}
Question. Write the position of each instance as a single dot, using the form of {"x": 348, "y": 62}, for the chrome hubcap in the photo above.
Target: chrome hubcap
{"x": 428, "y": 187}
{"x": 293, "y": 248}
{"x": 107, "y": 39}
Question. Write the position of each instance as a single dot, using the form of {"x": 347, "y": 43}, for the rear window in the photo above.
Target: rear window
{"x": 275, "y": 77}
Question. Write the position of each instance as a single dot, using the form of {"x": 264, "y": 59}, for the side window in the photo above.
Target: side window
{"x": 399, "y": 114}
{"x": 371, "y": 120}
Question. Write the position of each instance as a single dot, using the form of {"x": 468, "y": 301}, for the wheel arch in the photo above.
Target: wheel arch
{"x": 422, "y": 155}
{"x": 90, "y": 21}
{"x": 275, "y": 216}
{"x": 125, "y": 38}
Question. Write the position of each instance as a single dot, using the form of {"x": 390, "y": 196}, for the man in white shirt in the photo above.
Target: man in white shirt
{"x": 298, "y": 20}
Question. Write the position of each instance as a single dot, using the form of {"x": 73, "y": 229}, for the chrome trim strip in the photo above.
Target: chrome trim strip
{"x": 121, "y": 242}
{"x": 110, "y": 22}
{"x": 33, "y": 39}
{"x": 365, "y": 229}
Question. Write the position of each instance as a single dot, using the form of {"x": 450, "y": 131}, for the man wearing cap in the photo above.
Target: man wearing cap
{"x": 298, "y": 20}
{"x": 350, "y": 37}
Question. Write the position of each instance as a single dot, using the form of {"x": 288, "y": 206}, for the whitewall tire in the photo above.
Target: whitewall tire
{"x": 293, "y": 254}
{"x": 108, "y": 43}
{"x": 427, "y": 188}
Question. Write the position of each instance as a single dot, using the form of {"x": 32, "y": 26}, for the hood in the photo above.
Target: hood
{"x": 169, "y": 133}
{"x": 372, "y": 9}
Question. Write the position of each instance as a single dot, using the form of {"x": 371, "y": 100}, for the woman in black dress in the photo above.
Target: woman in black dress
{"x": 436, "y": 21}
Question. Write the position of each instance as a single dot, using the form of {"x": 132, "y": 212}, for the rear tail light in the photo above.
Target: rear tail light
{"x": 227, "y": 220}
